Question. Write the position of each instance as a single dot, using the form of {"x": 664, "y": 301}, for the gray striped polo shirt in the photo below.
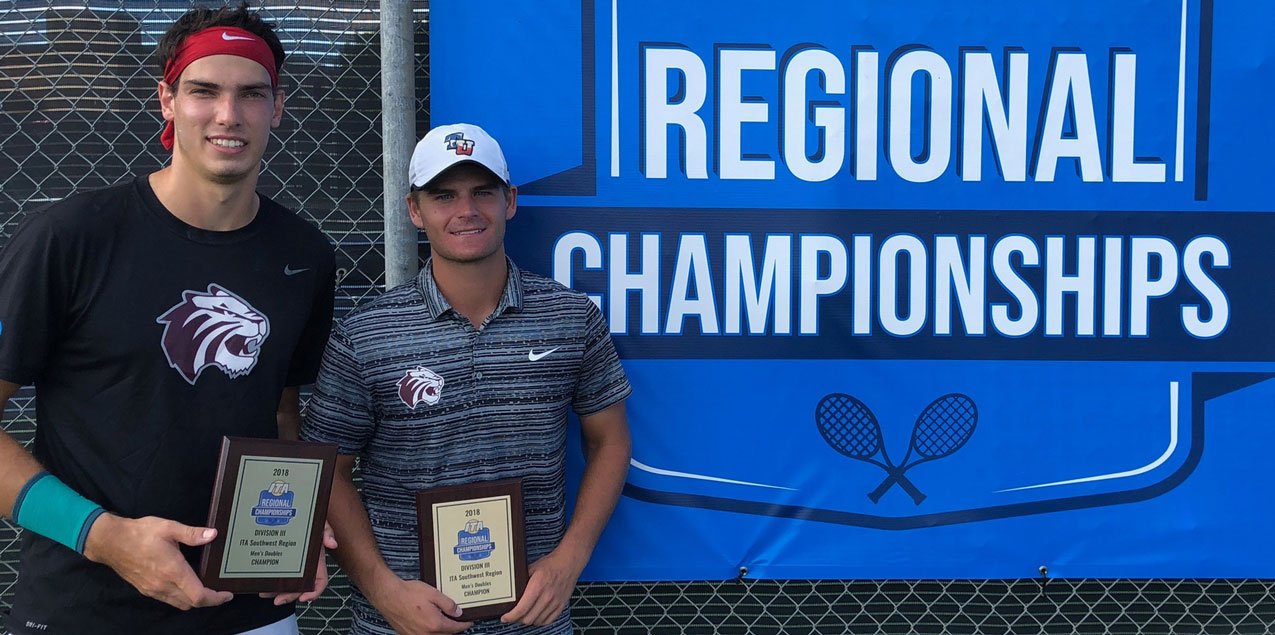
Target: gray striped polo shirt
{"x": 424, "y": 399}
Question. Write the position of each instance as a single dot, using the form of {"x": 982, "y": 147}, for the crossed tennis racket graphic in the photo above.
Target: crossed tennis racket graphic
{"x": 941, "y": 429}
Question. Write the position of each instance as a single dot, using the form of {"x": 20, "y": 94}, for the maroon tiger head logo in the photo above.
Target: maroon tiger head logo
{"x": 420, "y": 385}
{"x": 213, "y": 328}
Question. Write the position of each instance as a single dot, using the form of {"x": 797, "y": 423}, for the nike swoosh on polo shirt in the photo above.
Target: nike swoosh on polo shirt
{"x": 533, "y": 356}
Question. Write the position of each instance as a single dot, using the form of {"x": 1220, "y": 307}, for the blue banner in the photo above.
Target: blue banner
{"x": 923, "y": 291}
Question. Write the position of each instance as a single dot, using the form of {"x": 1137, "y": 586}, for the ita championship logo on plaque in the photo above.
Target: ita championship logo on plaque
{"x": 474, "y": 541}
{"x": 275, "y": 505}
{"x": 471, "y": 545}
{"x": 268, "y": 508}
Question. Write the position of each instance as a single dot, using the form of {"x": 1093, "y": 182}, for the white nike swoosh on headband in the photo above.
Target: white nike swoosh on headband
{"x": 227, "y": 36}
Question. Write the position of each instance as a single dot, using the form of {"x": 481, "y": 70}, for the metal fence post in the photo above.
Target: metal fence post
{"x": 398, "y": 135}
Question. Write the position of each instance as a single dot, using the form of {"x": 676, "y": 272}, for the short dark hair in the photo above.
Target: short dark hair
{"x": 201, "y": 18}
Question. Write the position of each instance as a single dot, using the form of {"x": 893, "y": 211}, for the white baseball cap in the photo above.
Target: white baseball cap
{"x": 452, "y": 144}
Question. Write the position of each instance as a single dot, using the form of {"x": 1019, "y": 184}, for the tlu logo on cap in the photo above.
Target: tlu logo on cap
{"x": 457, "y": 141}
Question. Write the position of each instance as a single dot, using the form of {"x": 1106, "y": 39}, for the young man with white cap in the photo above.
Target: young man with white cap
{"x": 465, "y": 375}
{"x": 154, "y": 317}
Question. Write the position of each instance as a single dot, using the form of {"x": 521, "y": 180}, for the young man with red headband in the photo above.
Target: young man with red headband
{"x": 154, "y": 317}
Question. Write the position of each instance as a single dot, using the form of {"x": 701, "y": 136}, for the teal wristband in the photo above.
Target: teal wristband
{"x": 50, "y": 508}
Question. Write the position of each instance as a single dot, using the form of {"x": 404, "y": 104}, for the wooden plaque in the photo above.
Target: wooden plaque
{"x": 472, "y": 545}
{"x": 268, "y": 506}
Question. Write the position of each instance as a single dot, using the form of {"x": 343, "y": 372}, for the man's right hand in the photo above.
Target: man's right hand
{"x": 415, "y": 608}
{"x": 144, "y": 551}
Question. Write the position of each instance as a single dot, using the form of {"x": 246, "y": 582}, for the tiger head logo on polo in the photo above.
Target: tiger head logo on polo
{"x": 213, "y": 328}
{"x": 420, "y": 385}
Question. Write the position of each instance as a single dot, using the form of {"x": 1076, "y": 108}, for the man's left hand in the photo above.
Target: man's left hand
{"x": 550, "y": 583}
{"x": 320, "y": 574}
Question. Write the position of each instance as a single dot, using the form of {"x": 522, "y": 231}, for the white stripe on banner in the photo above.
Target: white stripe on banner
{"x": 615, "y": 88}
{"x": 1173, "y": 445}
{"x": 1177, "y": 170}
{"x": 655, "y": 470}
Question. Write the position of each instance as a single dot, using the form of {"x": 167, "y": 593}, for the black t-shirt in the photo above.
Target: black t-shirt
{"x": 148, "y": 340}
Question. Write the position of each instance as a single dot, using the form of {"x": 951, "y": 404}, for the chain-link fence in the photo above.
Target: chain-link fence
{"x": 78, "y": 111}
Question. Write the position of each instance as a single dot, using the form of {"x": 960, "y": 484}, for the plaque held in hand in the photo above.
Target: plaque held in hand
{"x": 472, "y": 545}
{"x": 269, "y": 505}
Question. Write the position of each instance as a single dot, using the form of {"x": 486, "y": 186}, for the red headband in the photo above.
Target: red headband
{"x": 218, "y": 40}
